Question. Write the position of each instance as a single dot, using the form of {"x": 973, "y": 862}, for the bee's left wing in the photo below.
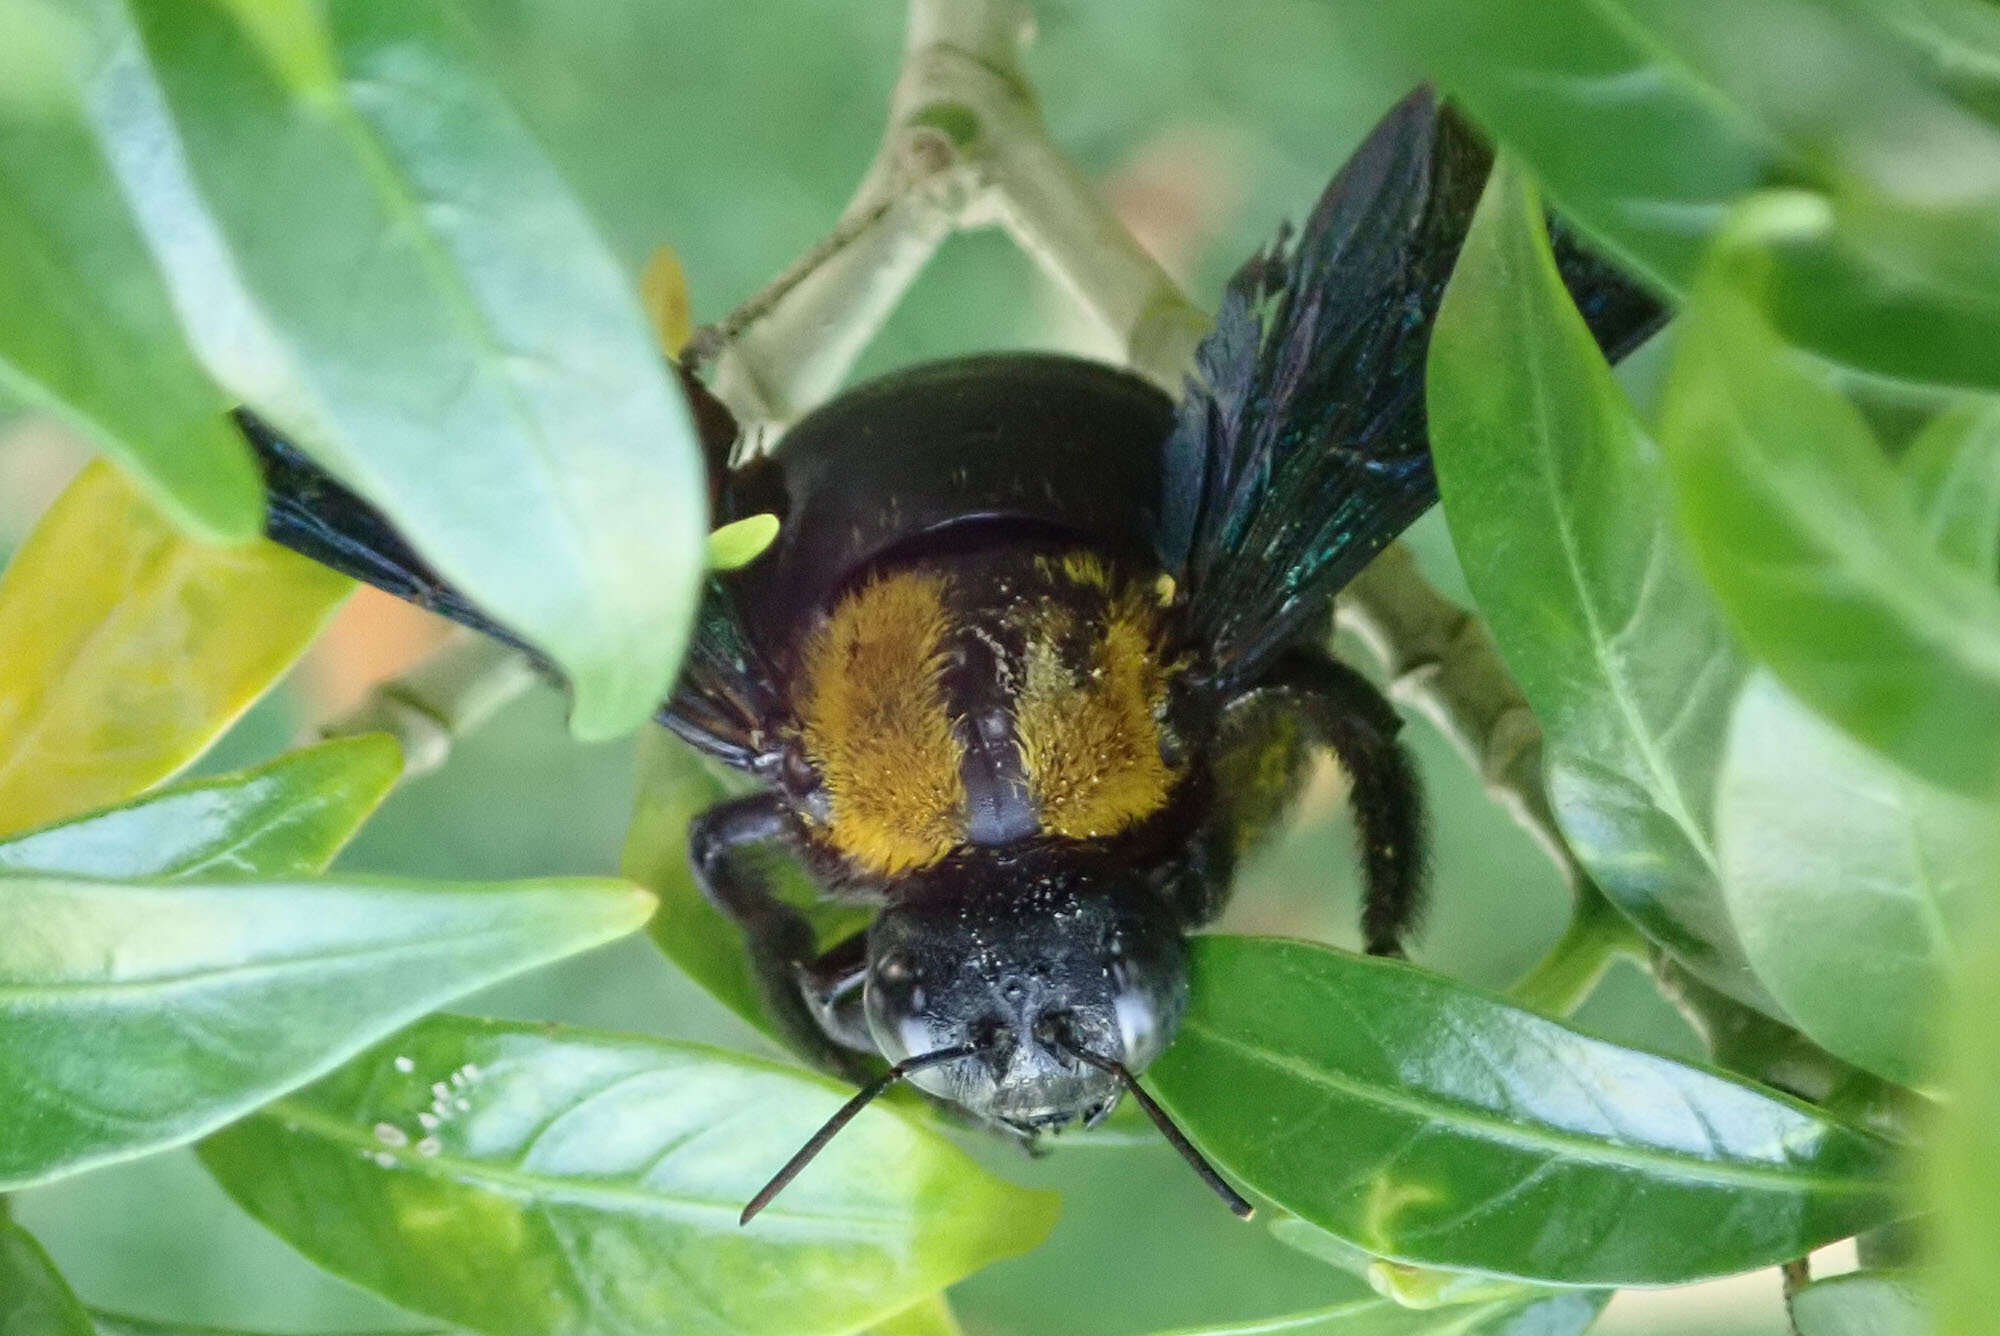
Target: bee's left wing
{"x": 724, "y": 693}
{"x": 1299, "y": 450}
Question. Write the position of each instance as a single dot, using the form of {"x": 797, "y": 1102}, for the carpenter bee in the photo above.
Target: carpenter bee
{"x": 1038, "y": 652}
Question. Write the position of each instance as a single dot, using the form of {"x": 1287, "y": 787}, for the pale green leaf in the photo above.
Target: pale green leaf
{"x": 135, "y": 1016}
{"x": 1863, "y": 1303}
{"x": 1852, "y": 883}
{"x": 526, "y": 1180}
{"x": 86, "y": 328}
{"x": 372, "y": 253}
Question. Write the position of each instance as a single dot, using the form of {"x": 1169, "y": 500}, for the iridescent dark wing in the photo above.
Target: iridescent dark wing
{"x": 724, "y": 695}
{"x": 1299, "y": 451}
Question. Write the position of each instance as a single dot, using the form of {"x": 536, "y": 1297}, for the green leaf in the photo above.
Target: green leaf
{"x": 1812, "y": 540}
{"x": 1556, "y": 503}
{"x": 1863, "y": 1303}
{"x": 1853, "y": 884}
{"x": 135, "y": 1017}
{"x": 370, "y": 250}
{"x": 674, "y": 787}
{"x": 1547, "y": 1315}
{"x": 525, "y": 1179}
{"x": 1423, "y": 1121}
{"x": 288, "y": 817}
{"x": 1963, "y": 1157}
{"x": 131, "y": 648}
{"x": 1953, "y": 471}
{"x": 86, "y": 328}
{"x": 34, "y": 1301}
{"x": 1649, "y": 119}
{"x": 1956, "y": 45}
{"x": 736, "y": 545}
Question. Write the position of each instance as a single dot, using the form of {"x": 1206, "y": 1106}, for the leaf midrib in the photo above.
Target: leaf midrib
{"x": 1666, "y": 782}
{"x": 1541, "y": 1137}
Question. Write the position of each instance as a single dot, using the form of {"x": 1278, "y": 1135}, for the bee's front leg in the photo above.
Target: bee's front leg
{"x": 778, "y": 937}
{"x": 832, "y": 987}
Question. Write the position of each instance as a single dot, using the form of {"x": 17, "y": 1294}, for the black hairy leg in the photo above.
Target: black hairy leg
{"x": 779, "y": 939}
{"x": 1352, "y": 719}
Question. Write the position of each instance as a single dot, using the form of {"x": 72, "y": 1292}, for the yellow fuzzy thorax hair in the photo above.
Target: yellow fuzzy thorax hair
{"x": 1086, "y": 692}
{"x": 876, "y": 727}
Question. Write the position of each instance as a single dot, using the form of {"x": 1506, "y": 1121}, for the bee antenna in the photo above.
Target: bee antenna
{"x": 842, "y": 1117}
{"x": 1231, "y": 1198}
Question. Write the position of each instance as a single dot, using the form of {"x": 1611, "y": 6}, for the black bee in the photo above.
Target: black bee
{"x": 1038, "y": 652}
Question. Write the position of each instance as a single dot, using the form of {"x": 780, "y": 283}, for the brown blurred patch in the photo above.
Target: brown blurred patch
{"x": 372, "y": 638}
{"x": 1179, "y": 192}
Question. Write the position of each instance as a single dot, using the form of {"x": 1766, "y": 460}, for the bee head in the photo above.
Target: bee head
{"x": 1027, "y": 989}
{"x": 1049, "y": 975}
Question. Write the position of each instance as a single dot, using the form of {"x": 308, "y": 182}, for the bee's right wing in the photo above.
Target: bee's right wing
{"x": 724, "y": 697}
{"x": 1300, "y": 449}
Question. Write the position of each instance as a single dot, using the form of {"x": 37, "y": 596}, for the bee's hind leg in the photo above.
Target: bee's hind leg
{"x": 1357, "y": 723}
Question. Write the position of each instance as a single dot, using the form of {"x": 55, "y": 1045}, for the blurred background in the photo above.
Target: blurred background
{"x": 736, "y": 132}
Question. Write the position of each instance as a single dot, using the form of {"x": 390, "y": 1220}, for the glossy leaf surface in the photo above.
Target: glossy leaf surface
{"x": 1558, "y": 509}
{"x": 34, "y": 1301}
{"x": 287, "y": 817}
{"x": 1852, "y": 883}
{"x": 528, "y": 1179}
{"x": 131, "y": 648}
{"x": 86, "y": 328}
{"x": 1548, "y": 1315}
{"x": 135, "y": 1017}
{"x": 1422, "y": 1121}
{"x": 370, "y": 250}
{"x": 1863, "y": 1303}
{"x": 1812, "y": 541}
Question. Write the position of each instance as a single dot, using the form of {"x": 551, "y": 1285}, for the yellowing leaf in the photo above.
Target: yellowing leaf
{"x": 126, "y": 649}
